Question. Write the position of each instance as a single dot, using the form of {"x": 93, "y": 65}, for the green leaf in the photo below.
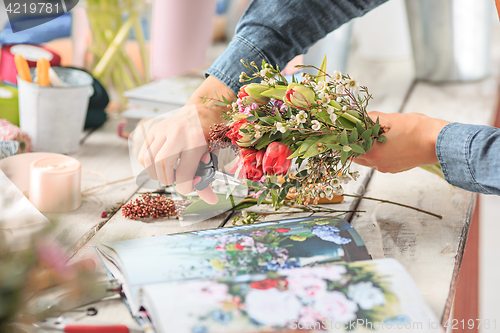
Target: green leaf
{"x": 278, "y": 92}
{"x": 251, "y": 118}
{"x": 278, "y": 116}
{"x": 344, "y": 155}
{"x": 359, "y": 126}
{"x": 357, "y": 149}
{"x": 354, "y": 136}
{"x": 262, "y": 196}
{"x": 225, "y": 99}
{"x": 369, "y": 144}
{"x": 344, "y": 141}
{"x": 269, "y": 120}
{"x": 283, "y": 194}
{"x": 382, "y": 139}
{"x": 304, "y": 146}
{"x": 312, "y": 151}
{"x": 334, "y": 146}
{"x": 329, "y": 138}
{"x": 366, "y": 134}
{"x": 264, "y": 141}
{"x": 375, "y": 130}
{"x": 349, "y": 125}
{"x": 244, "y": 130}
{"x": 285, "y": 135}
{"x": 201, "y": 207}
{"x": 322, "y": 71}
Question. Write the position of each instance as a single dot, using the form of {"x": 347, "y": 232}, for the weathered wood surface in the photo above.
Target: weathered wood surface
{"x": 429, "y": 248}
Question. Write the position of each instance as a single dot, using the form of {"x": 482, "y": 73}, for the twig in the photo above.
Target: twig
{"x": 395, "y": 203}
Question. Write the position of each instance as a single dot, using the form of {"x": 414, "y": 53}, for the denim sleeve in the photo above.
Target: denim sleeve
{"x": 470, "y": 157}
{"x": 278, "y": 30}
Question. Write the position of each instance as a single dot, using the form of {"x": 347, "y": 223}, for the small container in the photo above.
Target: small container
{"x": 54, "y": 117}
{"x": 450, "y": 38}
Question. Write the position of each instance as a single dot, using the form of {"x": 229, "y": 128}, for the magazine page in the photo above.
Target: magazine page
{"x": 364, "y": 296}
{"x": 224, "y": 252}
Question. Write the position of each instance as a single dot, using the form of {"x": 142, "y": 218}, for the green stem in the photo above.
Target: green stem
{"x": 113, "y": 48}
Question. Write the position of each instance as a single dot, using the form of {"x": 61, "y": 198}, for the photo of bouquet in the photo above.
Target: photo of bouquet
{"x": 315, "y": 127}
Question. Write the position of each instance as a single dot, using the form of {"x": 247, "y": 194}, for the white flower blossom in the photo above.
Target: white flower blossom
{"x": 353, "y": 84}
{"x": 337, "y": 75}
{"x": 257, "y": 127}
{"x": 280, "y": 127}
{"x": 264, "y": 71}
{"x": 355, "y": 175}
{"x": 272, "y": 81}
{"x": 330, "y": 109}
{"x": 319, "y": 87}
{"x": 316, "y": 125}
{"x": 244, "y": 213}
{"x": 345, "y": 179}
{"x": 344, "y": 108}
{"x": 257, "y": 134}
{"x": 335, "y": 182}
{"x": 339, "y": 88}
{"x": 339, "y": 99}
{"x": 301, "y": 117}
{"x": 366, "y": 295}
{"x": 328, "y": 190}
{"x": 333, "y": 117}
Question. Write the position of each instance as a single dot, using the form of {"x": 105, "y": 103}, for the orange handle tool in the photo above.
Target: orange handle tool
{"x": 42, "y": 72}
{"x": 22, "y": 68}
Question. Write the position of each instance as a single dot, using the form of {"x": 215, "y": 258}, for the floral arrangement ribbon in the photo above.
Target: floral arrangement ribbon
{"x": 317, "y": 126}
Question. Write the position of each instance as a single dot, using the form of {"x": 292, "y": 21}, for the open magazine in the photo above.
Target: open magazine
{"x": 171, "y": 277}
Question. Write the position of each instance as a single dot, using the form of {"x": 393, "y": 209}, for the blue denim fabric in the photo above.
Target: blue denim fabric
{"x": 470, "y": 157}
{"x": 278, "y": 30}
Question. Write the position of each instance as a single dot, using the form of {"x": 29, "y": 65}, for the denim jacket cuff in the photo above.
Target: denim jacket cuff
{"x": 227, "y": 68}
{"x": 453, "y": 149}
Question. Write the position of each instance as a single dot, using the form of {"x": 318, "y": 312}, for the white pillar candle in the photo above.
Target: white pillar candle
{"x": 55, "y": 184}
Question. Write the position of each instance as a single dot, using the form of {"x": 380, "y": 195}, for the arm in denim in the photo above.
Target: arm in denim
{"x": 278, "y": 30}
{"x": 470, "y": 157}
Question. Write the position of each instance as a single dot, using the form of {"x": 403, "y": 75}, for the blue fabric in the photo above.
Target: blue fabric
{"x": 470, "y": 157}
{"x": 59, "y": 27}
{"x": 277, "y": 31}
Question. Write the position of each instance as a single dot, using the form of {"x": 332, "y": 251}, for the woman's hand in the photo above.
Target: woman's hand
{"x": 411, "y": 142}
{"x": 182, "y": 140}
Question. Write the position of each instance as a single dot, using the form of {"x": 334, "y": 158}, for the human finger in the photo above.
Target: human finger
{"x": 190, "y": 159}
{"x": 150, "y": 156}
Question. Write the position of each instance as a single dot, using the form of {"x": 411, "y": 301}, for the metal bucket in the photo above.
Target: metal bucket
{"x": 54, "y": 116}
{"x": 450, "y": 38}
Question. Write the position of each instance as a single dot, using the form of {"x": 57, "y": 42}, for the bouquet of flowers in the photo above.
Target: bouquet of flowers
{"x": 319, "y": 124}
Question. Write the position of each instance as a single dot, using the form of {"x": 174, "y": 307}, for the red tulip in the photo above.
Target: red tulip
{"x": 252, "y": 164}
{"x": 234, "y": 133}
{"x": 275, "y": 160}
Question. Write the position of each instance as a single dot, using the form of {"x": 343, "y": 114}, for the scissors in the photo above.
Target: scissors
{"x": 69, "y": 325}
{"x": 208, "y": 172}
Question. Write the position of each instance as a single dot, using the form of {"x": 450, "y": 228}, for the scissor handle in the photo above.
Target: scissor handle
{"x": 79, "y": 328}
{"x": 206, "y": 171}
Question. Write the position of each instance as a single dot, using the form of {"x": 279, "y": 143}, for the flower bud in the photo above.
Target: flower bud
{"x": 299, "y": 96}
{"x": 251, "y": 93}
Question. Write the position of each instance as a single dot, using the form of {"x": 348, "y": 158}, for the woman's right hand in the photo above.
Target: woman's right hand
{"x": 182, "y": 140}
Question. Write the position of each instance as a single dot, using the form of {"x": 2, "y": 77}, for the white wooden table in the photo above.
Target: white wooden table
{"x": 431, "y": 249}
